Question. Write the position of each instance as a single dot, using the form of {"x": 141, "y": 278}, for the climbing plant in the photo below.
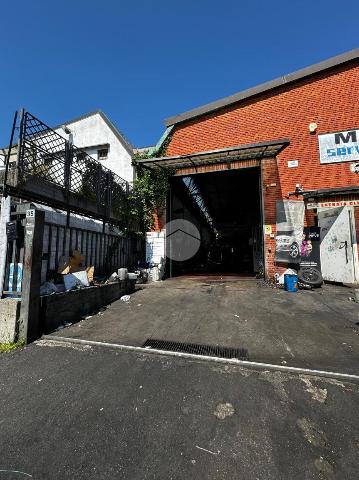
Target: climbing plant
{"x": 149, "y": 194}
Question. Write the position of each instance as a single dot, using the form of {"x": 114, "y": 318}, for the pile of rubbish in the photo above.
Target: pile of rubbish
{"x": 292, "y": 280}
{"x": 73, "y": 275}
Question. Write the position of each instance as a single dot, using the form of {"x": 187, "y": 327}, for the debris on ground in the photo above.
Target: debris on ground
{"x": 208, "y": 451}
{"x": 312, "y": 433}
{"x": 48, "y": 288}
{"x": 142, "y": 275}
{"x": 71, "y": 264}
{"x": 280, "y": 278}
{"x": 73, "y": 274}
{"x": 223, "y": 410}
{"x": 71, "y": 282}
{"x": 125, "y": 298}
{"x": 113, "y": 277}
{"x": 304, "y": 286}
{"x": 318, "y": 394}
{"x": 122, "y": 273}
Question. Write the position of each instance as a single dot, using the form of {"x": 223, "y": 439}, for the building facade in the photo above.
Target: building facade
{"x": 99, "y": 137}
{"x": 312, "y": 114}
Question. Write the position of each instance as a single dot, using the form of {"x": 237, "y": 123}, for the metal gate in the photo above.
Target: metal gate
{"x": 14, "y": 257}
{"x": 337, "y": 244}
{"x": 105, "y": 251}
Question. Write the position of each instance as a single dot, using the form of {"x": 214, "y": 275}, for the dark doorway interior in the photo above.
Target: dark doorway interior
{"x": 225, "y": 206}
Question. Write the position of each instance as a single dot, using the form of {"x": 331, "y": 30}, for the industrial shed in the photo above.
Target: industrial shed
{"x": 254, "y": 170}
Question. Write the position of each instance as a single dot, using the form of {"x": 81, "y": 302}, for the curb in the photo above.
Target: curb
{"x": 240, "y": 363}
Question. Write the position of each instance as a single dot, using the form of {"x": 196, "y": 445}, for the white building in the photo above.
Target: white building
{"x": 102, "y": 140}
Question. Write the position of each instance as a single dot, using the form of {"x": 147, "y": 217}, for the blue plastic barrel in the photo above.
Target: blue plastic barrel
{"x": 291, "y": 282}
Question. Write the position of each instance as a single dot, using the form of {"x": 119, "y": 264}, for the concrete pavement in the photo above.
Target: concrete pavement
{"x": 81, "y": 412}
{"x": 310, "y": 329}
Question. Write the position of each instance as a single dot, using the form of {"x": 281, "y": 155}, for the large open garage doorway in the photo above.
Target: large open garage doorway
{"x": 225, "y": 207}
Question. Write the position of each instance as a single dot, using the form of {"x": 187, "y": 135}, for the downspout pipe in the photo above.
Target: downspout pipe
{"x": 157, "y": 147}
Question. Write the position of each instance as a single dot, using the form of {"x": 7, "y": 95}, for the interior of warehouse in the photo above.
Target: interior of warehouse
{"x": 225, "y": 207}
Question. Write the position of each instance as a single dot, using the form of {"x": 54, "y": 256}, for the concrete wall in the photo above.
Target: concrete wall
{"x": 60, "y": 308}
{"x": 93, "y": 133}
{"x": 71, "y": 306}
{"x": 9, "y": 316}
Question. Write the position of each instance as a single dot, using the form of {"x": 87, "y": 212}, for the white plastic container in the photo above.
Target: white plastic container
{"x": 122, "y": 273}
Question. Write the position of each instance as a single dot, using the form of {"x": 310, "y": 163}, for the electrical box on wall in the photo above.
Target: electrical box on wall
{"x": 14, "y": 231}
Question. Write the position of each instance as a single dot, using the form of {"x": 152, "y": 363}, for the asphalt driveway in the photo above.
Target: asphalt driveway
{"x": 80, "y": 412}
{"x": 309, "y": 329}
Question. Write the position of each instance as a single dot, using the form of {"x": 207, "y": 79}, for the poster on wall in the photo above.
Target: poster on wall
{"x": 289, "y": 226}
{"x": 310, "y": 248}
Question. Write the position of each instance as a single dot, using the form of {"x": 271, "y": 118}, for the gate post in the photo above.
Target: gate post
{"x": 29, "y": 324}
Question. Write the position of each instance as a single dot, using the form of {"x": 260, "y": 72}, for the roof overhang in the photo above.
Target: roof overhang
{"x": 225, "y": 155}
{"x": 330, "y": 192}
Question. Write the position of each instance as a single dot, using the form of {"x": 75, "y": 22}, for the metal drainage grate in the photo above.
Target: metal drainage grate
{"x": 197, "y": 349}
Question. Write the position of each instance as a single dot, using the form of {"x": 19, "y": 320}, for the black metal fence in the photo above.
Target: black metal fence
{"x": 105, "y": 251}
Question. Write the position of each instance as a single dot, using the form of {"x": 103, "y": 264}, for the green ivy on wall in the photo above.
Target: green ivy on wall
{"x": 149, "y": 192}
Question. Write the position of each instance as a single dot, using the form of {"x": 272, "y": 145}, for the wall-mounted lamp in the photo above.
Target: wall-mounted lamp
{"x": 68, "y": 132}
{"x": 299, "y": 189}
{"x": 312, "y": 127}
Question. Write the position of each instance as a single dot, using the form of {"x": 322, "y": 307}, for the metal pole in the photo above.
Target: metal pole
{"x": 7, "y": 160}
{"x": 263, "y": 219}
{"x": 19, "y": 160}
{"x": 67, "y": 177}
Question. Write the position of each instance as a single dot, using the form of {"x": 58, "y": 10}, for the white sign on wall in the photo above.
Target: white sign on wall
{"x": 339, "y": 146}
{"x": 155, "y": 247}
{"x": 292, "y": 163}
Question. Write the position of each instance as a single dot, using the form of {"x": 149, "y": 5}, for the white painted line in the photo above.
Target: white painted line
{"x": 227, "y": 361}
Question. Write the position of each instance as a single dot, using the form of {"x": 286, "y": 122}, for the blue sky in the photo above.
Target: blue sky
{"x": 142, "y": 61}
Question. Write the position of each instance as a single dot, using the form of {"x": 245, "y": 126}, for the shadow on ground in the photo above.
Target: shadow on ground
{"x": 80, "y": 412}
{"x": 309, "y": 329}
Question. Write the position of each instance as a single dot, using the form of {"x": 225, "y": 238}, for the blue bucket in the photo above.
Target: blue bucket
{"x": 291, "y": 282}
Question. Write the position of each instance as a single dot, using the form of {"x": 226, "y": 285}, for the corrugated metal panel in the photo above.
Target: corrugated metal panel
{"x": 216, "y": 167}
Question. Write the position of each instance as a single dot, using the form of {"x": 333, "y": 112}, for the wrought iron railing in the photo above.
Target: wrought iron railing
{"x": 48, "y": 157}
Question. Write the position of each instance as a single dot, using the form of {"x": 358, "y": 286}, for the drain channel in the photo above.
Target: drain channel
{"x": 197, "y": 349}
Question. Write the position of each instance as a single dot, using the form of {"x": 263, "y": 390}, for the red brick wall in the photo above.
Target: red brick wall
{"x": 328, "y": 99}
